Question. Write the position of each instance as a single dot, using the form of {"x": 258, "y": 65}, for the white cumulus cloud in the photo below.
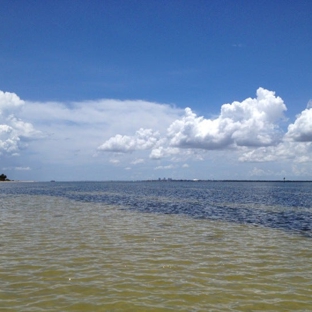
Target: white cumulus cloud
{"x": 296, "y": 144}
{"x": 137, "y": 161}
{"x": 163, "y": 151}
{"x": 167, "y": 167}
{"x": 142, "y": 140}
{"x": 252, "y": 122}
{"x": 9, "y": 102}
{"x": 14, "y": 132}
{"x": 286, "y": 150}
{"x": 301, "y": 129}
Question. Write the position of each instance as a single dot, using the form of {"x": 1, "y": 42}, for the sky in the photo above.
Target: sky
{"x": 136, "y": 90}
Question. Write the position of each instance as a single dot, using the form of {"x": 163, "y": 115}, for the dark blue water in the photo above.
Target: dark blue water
{"x": 286, "y": 206}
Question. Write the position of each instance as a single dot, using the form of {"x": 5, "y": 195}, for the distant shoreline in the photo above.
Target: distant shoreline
{"x": 227, "y": 180}
{"x": 17, "y": 181}
{"x": 163, "y": 181}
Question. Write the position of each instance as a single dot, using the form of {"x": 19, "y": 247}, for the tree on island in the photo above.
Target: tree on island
{"x": 3, "y": 177}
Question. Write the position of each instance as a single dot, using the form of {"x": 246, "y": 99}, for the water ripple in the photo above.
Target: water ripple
{"x": 90, "y": 249}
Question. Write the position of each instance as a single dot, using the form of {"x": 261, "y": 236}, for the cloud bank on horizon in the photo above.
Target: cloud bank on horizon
{"x": 153, "y": 136}
{"x": 251, "y": 126}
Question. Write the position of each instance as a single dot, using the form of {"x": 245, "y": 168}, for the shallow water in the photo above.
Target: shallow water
{"x": 172, "y": 246}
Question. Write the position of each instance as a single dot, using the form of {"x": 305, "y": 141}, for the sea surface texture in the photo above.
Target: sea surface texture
{"x": 156, "y": 246}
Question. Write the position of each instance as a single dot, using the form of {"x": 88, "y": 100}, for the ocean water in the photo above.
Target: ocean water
{"x": 156, "y": 246}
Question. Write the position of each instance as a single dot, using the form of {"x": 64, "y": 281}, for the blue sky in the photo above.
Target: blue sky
{"x": 101, "y": 90}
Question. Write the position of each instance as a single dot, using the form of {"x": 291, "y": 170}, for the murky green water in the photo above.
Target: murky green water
{"x": 58, "y": 254}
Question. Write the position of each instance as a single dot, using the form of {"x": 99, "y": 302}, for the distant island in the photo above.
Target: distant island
{"x": 3, "y": 177}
